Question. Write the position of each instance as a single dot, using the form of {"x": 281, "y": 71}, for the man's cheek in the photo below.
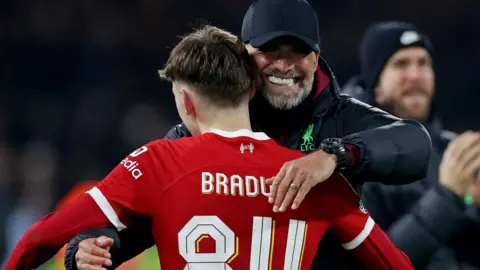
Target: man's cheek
{"x": 259, "y": 81}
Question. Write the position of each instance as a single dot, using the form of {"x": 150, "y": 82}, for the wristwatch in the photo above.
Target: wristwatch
{"x": 335, "y": 146}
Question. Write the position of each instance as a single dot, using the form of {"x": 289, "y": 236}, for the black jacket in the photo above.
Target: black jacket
{"x": 427, "y": 221}
{"x": 392, "y": 151}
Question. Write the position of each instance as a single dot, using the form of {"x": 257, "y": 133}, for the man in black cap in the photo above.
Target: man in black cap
{"x": 298, "y": 104}
{"x": 436, "y": 220}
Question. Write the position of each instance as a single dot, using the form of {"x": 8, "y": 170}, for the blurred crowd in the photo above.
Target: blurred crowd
{"x": 79, "y": 87}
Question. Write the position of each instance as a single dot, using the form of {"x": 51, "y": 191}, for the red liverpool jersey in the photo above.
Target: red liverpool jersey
{"x": 209, "y": 204}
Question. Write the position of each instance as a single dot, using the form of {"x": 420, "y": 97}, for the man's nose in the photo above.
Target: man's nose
{"x": 413, "y": 73}
{"x": 283, "y": 64}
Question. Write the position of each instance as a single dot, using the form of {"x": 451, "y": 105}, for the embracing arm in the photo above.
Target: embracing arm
{"x": 49, "y": 234}
{"x": 127, "y": 243}
{"x": 391, "y": 150}
{"x": 133, "y": 240}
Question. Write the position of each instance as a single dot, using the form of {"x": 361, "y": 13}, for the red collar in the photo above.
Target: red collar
{"x": 321, "y": 82}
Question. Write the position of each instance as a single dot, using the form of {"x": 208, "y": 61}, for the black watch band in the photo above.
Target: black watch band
{"x": 335, "y": 146}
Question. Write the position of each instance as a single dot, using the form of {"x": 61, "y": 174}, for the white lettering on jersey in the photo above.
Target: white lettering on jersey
{"x": 132, "y": 167}
{"x": 234, "y": 185}
{"x": 251, "y": 186}
{"x": 139, "y": 151}
{"x": 207, "y": 183}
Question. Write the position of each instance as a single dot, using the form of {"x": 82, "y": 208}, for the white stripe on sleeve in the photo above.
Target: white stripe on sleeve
{"x": 106, "y": 208}
{"x": 358, "y": 240}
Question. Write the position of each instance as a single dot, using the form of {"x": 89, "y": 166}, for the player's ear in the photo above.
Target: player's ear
{"x": 188, "y": 102}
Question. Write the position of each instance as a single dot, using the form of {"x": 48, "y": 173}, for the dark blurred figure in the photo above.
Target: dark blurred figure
{"x": 435, "y": 221}
{"x": 37, "y": 165}
{"x": 5, "y": 199}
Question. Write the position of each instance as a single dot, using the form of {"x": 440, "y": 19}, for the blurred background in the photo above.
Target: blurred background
{"x": 79, "y": 86}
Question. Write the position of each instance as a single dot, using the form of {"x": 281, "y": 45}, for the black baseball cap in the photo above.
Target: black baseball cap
{"x": 266, "y": 20}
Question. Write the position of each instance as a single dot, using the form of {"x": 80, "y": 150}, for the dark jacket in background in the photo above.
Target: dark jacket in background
{"x": 392, "y": 151}
{"x": 427, "y": 221}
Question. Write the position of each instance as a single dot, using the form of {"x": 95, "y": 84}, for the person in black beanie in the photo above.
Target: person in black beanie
{"x": 436, "y": 221}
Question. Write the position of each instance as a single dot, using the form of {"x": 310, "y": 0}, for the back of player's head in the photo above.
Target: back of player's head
{"x": 213, "y": 62}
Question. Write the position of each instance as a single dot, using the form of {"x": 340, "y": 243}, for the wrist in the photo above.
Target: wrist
{"x": 459, "y": 192}
{"x": 448, "y": 195}
{"x": 337, "y": 150}
{"x": 332, "y": 157}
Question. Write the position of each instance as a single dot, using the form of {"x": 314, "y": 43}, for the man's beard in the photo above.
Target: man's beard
{"x": 401, "y": 109}
{"x": 292, "y": 100}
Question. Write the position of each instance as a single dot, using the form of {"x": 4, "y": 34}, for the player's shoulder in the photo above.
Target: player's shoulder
{"x": 217, "y": 141}
{"x": 156, "y": 157}
{"x": 169, "y": 150}
{"x": 181, "y": 144}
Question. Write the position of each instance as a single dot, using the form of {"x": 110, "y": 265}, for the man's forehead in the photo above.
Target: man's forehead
{"x": 410, "y": 53}
{"x": 287, "y": 40}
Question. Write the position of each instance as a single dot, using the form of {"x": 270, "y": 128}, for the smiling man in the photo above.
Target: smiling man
{"x": 297, "y": 103}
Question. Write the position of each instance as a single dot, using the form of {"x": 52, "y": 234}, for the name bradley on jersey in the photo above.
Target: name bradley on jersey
{"x": 234, "y": 185}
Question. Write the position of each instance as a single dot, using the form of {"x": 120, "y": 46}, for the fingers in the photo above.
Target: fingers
{"x": 471, "y": 169}
{"x": 270, "y": 180}
{"x": 470, "y": 152}
{"x": 87, "y": 261}
{"x": 275, "y": 181}
{"x": 304, "y": 173}
{"x": 92, "y": 256}
{"x": 463, "y": 155}
{"x": 462, "y": 143}
{"x": 104, "y": 242}
{"x": 283, "y": 187}
{"x": 285, "y": 194}
{"x": 290, "y": 194}
{"x": 454, "y": 144}
{"x": 92, "y": 248}
{"x": 468, "y": 159}
{"x": 301, "y": 194}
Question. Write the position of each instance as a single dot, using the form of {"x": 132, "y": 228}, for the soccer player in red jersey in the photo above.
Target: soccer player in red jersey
{"x": 206, "y": 194}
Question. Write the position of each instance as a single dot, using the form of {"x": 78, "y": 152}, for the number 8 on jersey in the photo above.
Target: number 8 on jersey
{"x": 227, "y": 244}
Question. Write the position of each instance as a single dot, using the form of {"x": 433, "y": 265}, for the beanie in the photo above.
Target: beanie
{"x": 381, "y": 41}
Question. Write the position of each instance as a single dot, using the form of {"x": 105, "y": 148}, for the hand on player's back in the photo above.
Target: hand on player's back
{"x": 297, "y": 177}
{"x": 93, "y": 253}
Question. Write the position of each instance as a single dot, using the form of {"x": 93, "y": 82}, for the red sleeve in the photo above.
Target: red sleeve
{"x": 127, "y": 189}
{"x": 47, "y": 236}
{"x": 358, "y": 232}
{"x": 116, "y": 200}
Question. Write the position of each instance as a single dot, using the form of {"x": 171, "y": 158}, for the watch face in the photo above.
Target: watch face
{"x": 332, "y": 142}
{"x": 336, "y": 147}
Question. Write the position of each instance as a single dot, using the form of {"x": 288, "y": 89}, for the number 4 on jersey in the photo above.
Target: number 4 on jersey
{"x": 226, "y": 244}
